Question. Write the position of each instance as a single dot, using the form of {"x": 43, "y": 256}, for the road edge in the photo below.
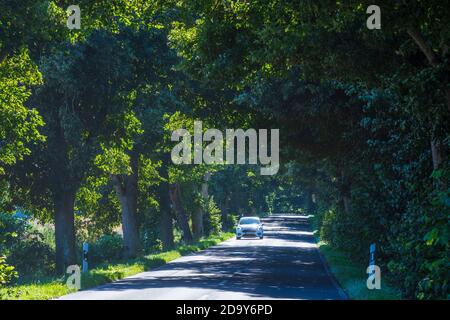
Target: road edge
{"x": 341, "y": 291}
{"x": 134, "y": 275}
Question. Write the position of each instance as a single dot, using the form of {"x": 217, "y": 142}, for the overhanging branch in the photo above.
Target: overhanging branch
{"x": 426, "y": 49}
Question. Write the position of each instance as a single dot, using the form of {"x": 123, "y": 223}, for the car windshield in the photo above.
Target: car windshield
{"x": 249, "y": 221}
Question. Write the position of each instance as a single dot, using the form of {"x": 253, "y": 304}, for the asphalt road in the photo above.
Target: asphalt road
{"x": 286, "y": 264}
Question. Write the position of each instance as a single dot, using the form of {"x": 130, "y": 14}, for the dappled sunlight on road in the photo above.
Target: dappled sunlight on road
{"x": 283, "y": 265}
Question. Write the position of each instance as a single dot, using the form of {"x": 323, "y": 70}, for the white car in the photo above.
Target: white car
{"x": 249, "y": 226}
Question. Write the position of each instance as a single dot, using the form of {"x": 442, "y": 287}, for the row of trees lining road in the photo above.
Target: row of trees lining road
{"x": 86, "y": 118}
{"x": 365, "y": 115}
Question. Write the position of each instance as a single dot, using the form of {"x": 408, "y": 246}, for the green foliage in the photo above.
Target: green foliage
{"x": 12, "y": 229}
{"x": 150, "y": 229}
{"x": 98, "y": 208}
{"x": 19, "y": 125}
{"x": 29, "y": 23}
{"x": 7, "y": 272}
{"x": 428, "y": 244}
{"x": 212, "y": 217}
{"x": 351, "y": 276}
{"x": 40, "y": 290}
{"x": 113, "y": 161}
{"x": 32, "y": 256}
{"x": 328, "y": 227}
{"x": 357, "y": 108}
{"x": 105, "y": 249}
{"x": 27, "y": 245}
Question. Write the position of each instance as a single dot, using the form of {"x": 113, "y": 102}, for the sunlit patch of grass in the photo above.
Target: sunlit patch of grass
{"x": 214, "y": 240}
{"x": 35, "y": 291}
{"x": 110, "y": 273}
{"x": 50, "y": 288}
{"x": 156, "y": 260}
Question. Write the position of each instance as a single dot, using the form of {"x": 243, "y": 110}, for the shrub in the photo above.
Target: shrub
{"x": 327, "y": 230}
{"x": 107, "y": 248}
{"x": 150, "y": 231}
{"x": 7, "y": 272}
{"x": 230, "y": 222}
{"x": 25, "y": 246}
{"x": 32, "y": 256}
{"x": 12, "y": 229}
{"x": 212, "y": 220}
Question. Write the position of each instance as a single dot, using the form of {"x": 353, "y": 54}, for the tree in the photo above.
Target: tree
{"x": 362, "y": 107}
{"x": 29, "y": 24}
{"x": 82, "y": 113}
{"x": 19, "y": 126}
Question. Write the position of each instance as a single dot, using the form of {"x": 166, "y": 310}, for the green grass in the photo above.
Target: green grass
{"x": 352, "y": 277}
{"x": 56, "y": 287}
{"x": 35, "y": 291}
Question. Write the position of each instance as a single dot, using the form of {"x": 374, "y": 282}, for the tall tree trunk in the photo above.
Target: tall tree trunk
{"x": 436, "y": 154}
{"x": 347, "y": 204}
{"x": 182, "y": 217}
{"x": 346, "y": 193}
{"x": 447, "y": 95}
{"x": 165, "y": 206}
{"x": 310, "y": 203}
{"x": 197, "y": 218}
{"x": 432, "y": 58}
{"x": 197, "y": 223}
{"x": 225, "y": 210}
{"x": 64, "y": 203}
{"x": 166, "y": 221}
{"x": 127, "y": 193}
{"x": 3, "y": 55}
{"x": 64, "y": 189}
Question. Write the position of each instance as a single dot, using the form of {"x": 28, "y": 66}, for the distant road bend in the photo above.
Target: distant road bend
{"x": 286, "y": 264}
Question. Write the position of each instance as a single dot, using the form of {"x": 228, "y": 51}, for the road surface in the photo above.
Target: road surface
{"x": 286, "y": 264}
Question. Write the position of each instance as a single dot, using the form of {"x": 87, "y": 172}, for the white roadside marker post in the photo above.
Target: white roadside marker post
{"x": 372, "y": 254}
{"x": 85, "y": 257}
{"x": 374, "y": 272}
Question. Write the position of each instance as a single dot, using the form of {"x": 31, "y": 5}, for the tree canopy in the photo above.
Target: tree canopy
{"x": 86, "y": 118}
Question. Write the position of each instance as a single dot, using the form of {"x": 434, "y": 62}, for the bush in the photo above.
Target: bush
{"x": 7, "y": 272}
{"x": 212, "y": 220}
{"x": 150, "y": 231}
{"x": 25, "y": 246}
{"x": 230, "y": 222}
{"x": 106, "y": 249}
{"x": 32, "y": 256}
{"x": 12, "y": 229}
{"x": 327, "y": 229}
{"x": 409, "y": 226}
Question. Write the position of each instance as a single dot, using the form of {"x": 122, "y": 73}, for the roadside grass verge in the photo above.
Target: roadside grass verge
{"x": 352, "y": 277}
{"x": 49, "y": 288}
